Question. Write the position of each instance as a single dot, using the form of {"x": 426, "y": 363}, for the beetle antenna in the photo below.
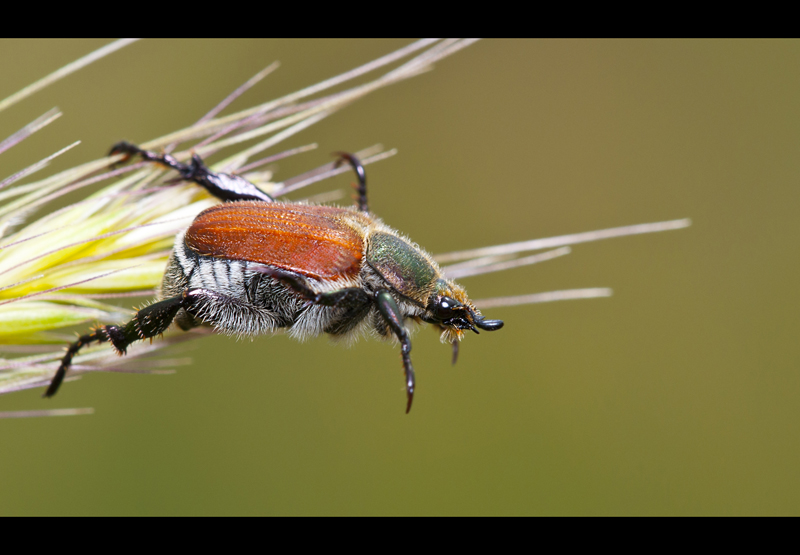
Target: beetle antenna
{"x": 488, "y": 325}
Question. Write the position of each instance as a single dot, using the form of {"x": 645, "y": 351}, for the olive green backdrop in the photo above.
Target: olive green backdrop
{"x": 678, "y": 395}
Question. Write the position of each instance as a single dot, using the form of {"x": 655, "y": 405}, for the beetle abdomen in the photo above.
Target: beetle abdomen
{"x": 310, "y": 240}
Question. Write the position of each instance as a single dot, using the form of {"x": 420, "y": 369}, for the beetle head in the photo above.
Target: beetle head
{"x": 451, "y": 309}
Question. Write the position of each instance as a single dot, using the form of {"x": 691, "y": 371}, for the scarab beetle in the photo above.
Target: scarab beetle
{"x": 252, "y": 265}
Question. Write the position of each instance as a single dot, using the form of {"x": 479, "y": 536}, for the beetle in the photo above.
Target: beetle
{"x": 252, "y": 265}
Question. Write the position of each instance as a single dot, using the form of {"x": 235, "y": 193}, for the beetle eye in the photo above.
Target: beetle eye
{"x": 446, "y": 307}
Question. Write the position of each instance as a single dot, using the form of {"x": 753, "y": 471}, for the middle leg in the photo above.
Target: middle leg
{"x": 361, "y": 186}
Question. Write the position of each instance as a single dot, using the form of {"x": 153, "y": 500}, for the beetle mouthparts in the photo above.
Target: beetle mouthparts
{"x": 489, "y": 325}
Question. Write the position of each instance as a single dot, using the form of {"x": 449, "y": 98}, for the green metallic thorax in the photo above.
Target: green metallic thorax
{"x": 402, "y": 265}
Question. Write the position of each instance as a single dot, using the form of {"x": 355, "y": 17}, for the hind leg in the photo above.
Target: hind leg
{"x": 225, "y": 313}
{"x": 224, "y": 186}
{"x": 148, "y": 322}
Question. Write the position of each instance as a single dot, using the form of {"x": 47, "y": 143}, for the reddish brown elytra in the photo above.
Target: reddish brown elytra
{"x": 310, "y": 240}
{"x": 252, "y": 266}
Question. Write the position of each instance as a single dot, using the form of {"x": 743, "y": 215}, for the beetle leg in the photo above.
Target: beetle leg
{"x": 353, "y": 302}
{"x": 343, "y": 298}
{"x": 225, "y": 187}
{"x": 352, "y": 297}
{"x": 394, "y": 319}
{"x": 129, "y": 149}
{"x": 147, "y": 323}
{"x": 361, "y": 187}
{"x": 66, "y": 362}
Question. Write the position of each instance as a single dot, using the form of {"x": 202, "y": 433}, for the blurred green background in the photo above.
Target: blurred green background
{"x": 678, "y": 395}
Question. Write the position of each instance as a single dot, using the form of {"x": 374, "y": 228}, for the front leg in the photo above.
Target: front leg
{"x": 394, "y": 319}
{"x": 353, "y": 297}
